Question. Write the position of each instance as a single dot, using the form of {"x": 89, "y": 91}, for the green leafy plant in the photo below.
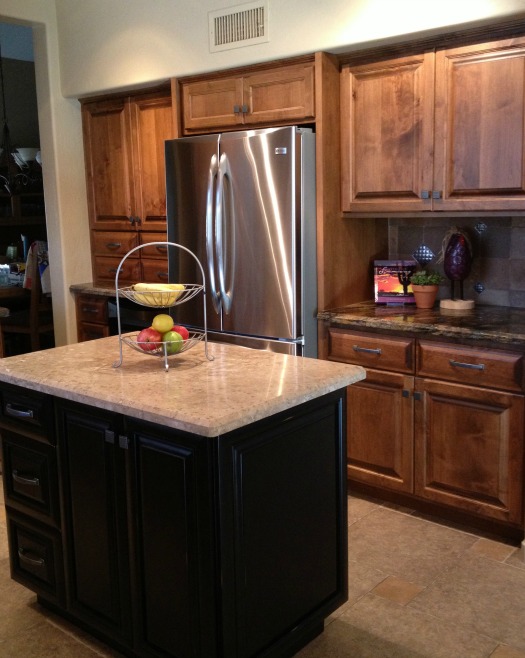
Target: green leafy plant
{"x": 426, "y": 278}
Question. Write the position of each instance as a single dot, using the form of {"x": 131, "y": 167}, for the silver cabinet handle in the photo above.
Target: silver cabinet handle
{"x": 18, "y": 413}
{"x": 368, "y": 350}
{"x": 471, "y": 366}
{"x": 113, "y": 245}
{"x": 36, "y": 562}
{"x": 33, "y": 482}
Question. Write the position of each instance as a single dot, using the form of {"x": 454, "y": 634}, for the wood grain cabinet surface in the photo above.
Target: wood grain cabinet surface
{"x": 124, "y": 155}
{"x": 441, "y": 130}
{"x": 448, "y": 429}
{"x": 281, "y": 94}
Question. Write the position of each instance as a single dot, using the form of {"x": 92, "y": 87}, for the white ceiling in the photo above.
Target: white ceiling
{"x": 16, "y": 41}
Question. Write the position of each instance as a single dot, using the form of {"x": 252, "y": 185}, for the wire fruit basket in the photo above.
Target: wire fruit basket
{"x": 161, "y": 296}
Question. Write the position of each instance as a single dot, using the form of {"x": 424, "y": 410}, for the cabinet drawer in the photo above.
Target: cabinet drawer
{"x": 155, "y": 271}
{"x": 89, "y": 331}
{"x": 30, "y": 477}
{"x": 36, "y": 557}
{"x": 105, "y": 269}
{"x": 92, "y": 308}
{"x": 371, "y": 350}
{"x": 27, "y": 412}
{"x": 155, "y": 251}
{"x": 112, "y": 243}
{"x": 466, "y": 365}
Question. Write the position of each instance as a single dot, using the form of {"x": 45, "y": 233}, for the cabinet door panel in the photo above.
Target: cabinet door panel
{"x": 380, "y": 431}
{"x": 95, "y": 520}
{"x": 210, "y": 104}
{"x": 176, "y": 596}
{"x": 480, "y": 132}
{"x": 469, "y": 449}
{"x": 284, "y": 94}
{"x": 387, "y": 134}
{"x": 151, "y": 123}
{"x": 108, "y": 163}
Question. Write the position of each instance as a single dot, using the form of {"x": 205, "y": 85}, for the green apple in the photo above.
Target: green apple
{"x": 173, "y": 342}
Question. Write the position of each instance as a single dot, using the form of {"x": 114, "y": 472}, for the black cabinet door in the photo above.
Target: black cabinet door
{"x": 283, "y": 528}
{"x": 173, "y": 543}
{"x": 93, "y": 464}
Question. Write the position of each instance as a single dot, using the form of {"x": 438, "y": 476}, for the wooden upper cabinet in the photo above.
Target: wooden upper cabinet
{"x": 282, "y": 94}
{"x": 107, "y": 151}
{"x": 439, "y": 131}
{"x": 124, "y": 154}
{"x": 480, "y": 128}
{"x": 387, "y": 132}
{"x": 151, "y": 126}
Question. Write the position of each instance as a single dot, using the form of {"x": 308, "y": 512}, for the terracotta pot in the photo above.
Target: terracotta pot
{"x": 425, "y": 296}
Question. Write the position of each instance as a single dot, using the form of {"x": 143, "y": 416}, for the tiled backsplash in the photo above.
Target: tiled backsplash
{"x": 498, "y": 253}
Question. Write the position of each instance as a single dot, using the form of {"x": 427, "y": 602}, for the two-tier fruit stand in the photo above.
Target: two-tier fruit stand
{"x": 161, "y": 297}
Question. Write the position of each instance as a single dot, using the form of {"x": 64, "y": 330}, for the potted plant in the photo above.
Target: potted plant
{"x": 425, "y": 285}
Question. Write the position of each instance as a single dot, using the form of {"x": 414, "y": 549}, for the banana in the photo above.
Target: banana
{"x": 154, "y": 294}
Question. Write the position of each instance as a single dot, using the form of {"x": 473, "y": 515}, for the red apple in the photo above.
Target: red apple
{"x": 182, "y": 331}
{"x": 149, "y": 339}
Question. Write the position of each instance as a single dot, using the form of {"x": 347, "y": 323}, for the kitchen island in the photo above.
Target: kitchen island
{"x": 199, "y": 511}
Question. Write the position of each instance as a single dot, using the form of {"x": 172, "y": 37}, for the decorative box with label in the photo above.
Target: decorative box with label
{"x": 392, "y": 281}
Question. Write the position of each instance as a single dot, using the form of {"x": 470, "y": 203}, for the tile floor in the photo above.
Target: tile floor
{"x": 418, "y": 589}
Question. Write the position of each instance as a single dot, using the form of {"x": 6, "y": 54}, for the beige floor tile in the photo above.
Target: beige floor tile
{"x": 481, "y": 594}
{"x": 517, "y": 559}
{"x": 397, "y": 590}
{"x": 360, "y": 507}
{"x": 405, "y": 546}
{"x": 507, "y": 652}
{"x": 493, "y": 549}
{"x": 46, "y": 641}
{"x": 386, "y": 629}
{"x": 4, "y": 552}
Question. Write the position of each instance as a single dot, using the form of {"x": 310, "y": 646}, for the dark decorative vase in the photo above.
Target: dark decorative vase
{"x": 457, "y": 260}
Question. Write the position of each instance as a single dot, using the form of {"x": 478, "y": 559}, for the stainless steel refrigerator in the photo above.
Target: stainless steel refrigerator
{"x": 244, "y": 203}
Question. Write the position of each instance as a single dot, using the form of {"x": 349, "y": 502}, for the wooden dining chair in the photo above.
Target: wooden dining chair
{"x": 32, "y": 322}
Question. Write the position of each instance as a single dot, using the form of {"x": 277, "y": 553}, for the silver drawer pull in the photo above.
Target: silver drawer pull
{"x": 34, "y": 561}
{"x": 113, "y": 245}
{"x": 18, "y": 413}
{"x": 471, "y": 366}
{"x": 33, "y": 482}
{"x": 368, "y": 350}
{"x": 161, "y": 248}
{"x": 89, "y": 309}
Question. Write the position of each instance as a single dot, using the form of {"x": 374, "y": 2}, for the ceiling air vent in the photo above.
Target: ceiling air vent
{"x": 234, "y": 27}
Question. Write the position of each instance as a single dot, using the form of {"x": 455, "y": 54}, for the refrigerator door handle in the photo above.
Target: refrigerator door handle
{"x": 225, "y": 233}
{"x": 210, "y": 233}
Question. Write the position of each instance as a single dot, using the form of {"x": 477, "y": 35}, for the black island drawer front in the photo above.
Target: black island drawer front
{"x": 36, "y": 557}
{"x": 31, "y": 479}
{"x": 29, "y": 412}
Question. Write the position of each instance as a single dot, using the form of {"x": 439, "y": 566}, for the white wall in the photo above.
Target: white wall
{"x": 107, "y": 44}
{"x": 86, "y": 47}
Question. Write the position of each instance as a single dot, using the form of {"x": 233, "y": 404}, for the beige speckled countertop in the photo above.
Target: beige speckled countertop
{"x": 204, "y": 397}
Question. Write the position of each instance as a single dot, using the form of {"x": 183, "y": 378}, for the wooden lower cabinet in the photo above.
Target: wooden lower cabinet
{"x": 437, "y": 440}
{"x": 380, "y": 434}
{"x": 92, "y": 316}
{"x": 469, "y": 449}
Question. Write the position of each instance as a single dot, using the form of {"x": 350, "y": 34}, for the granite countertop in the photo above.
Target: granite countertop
{"x": 204, "y": 397}
{"x": 493, "y": 324}
{"x": 89, "y": 288}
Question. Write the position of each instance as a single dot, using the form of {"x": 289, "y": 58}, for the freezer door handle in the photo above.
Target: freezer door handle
{"x": 210, "y": 233}
{"x": 225, "y": 233}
